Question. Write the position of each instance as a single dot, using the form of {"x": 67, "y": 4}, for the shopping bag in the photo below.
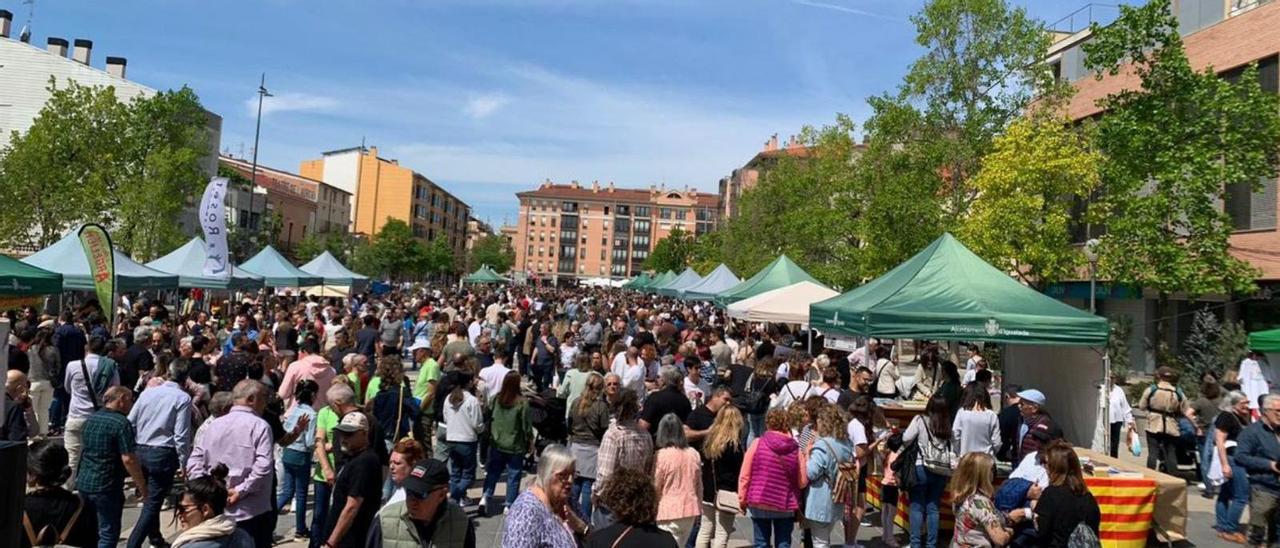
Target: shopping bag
{"x": 1135, "y": 444}
{"x": 1214, "y": 477}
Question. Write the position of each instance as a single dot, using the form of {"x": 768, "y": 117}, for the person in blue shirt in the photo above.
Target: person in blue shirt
{"x": 163, "y": 432}
{"x": 297, "y": 456}
{"x": 241, "y": 326}
{"x": 1258, "y": 451}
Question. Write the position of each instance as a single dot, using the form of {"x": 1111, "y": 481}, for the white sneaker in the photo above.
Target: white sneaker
{"x": 484, "y": 507}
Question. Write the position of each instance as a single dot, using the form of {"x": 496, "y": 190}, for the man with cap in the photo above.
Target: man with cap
{"x": 357, "y": 490}
{"x": 1037, "y": 426}
{"x": 426, "y": 517}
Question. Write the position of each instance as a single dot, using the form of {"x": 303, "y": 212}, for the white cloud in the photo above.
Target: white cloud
{"x": 845, "y": 9}
{"x": 484, "y": 105}
{"x": 290, "y": 102}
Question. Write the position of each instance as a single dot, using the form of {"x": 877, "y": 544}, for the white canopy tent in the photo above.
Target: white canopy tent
{"x": 789, "y": 304}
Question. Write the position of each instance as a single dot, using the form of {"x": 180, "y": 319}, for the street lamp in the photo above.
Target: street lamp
{"x": 257, "y": 131}
{"x": 1091, "y": 253}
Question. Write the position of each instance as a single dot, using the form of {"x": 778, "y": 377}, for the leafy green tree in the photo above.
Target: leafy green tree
{"x": 493, "y": 250}
{"x": 798, "y": 208}
{"x": 337, "y": 244}
{"x": 1021, "y": 220}
{"x": 57, "y": 174}
{"x": 1233, "y": 343}
{"x": 1121, "y": 326}
{"x": 673, "y": 252}
{"x": 436, "y": 257}
{"x": 708, "y": 252}
{"x": 160, "y": 172}
{"x": 393, "y": 252}
{"x": 1173, "y": 147}
{"x": 981, "y": 68}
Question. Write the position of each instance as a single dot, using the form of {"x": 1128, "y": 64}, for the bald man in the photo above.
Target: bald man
{"x": 16, "y": 404}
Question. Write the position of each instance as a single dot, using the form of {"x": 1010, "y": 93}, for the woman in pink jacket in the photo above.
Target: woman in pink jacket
{"x": 773, "y": 474}
{"x": 678, "y": 478}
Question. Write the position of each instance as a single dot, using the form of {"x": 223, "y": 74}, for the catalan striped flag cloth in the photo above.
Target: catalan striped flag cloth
{"x": 1126, "y": 504}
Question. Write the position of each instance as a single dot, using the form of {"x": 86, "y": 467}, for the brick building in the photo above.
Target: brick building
{"x": 569, "y": 231}
{"x": 746, "y": 177}
{"x": 1228, "y": 36}
{"x": 306, "y": 206}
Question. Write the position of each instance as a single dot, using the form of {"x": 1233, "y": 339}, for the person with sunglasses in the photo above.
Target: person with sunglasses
{"x": 200, "y": 512}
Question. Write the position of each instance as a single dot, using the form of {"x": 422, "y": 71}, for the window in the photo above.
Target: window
{"x": 569, "y": 207}
{"x": 642, "y": 211}
{"x": 622, "y": 225}
{"x": 624, "y": 210}
{"x": 681, "y": 213}
{"x": 541, "y": 249}
{"x": 606, "y": 211}
{"x": 584, "y": 240}
{"x": 1251, "y": 210}
{"x": 1194, "y": 15}
{"x": 553, "y": 221}
{"x": 704, "y": 214}
{"x": 664, "y": 213}
{"x": 640, "y": 242}
{"x": 642, "y": 227}
{"x": 1268, "y": 73}
{"x": 620, "y": 243}
{"x": 530, "y": 250}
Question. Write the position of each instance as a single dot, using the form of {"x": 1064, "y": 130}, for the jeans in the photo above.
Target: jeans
{"x": 777, "y": 529}
{"x": 110, "y": 507}
{"x": 61, "y": 404}
{"x": 925, "y": 497}
{"x": 755, "y": 427}
{"x": 462, "y": 468}
{"x": 498, "y": 461}
{"x": 1232, "y": 498}
{"x": 297, "y": 478}
{"x": 321, "y": 513}
{"x": 159, "y": 464}
{"x": 580, "y": 500}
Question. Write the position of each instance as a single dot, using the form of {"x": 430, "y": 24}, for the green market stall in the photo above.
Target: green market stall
{"x": 277, "y": 271}
{"x": 782, "y": 272}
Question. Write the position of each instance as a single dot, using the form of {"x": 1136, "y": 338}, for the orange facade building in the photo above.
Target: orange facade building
{"x": 570, "y": 231}
{"x": 384, "y": 189}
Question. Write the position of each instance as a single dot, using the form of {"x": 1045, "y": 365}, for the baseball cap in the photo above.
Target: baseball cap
{"x": 1033, "y": 396}
{"x": 353, "y": 422}
{"x": 427, "y": 476}
{"x": 419, "y": 345}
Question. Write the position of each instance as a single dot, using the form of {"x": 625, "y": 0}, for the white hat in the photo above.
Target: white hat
{"x": 419, "y": 345}
{"x": 353, "y": 422}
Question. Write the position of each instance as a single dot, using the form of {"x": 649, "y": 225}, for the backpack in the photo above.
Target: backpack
{"x": 1083, "y": 537}
{"x": 753, "y": 401}
{"x": 905, "y": 466}
{"x": 37, "y": 539}
{"x": 937, "y": 459}
{"x": 844, "y": 479}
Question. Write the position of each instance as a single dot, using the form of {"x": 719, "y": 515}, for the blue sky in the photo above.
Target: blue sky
{"x": 490, "y": 97}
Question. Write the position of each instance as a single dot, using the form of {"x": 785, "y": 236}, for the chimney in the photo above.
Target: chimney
{"x": 595, "y": 186}
{"x": 115, "y": 66}
{"x": 57, "y": 46}
{"x": 773, "y": 143}
{"x": 610, "y": 186}
{"x": 573, "y": 184}
{"x": 82, "y": 51}
{"x": 6, "y": 22}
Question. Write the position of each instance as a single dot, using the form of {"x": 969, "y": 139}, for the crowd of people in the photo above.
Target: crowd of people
{"x": 643, "y": 421}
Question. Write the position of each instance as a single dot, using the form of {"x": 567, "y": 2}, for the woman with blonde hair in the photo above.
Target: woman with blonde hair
{"x": 588, "y": 421}
{"x": 977, "y": 521}
{"x": 722, "y": 452}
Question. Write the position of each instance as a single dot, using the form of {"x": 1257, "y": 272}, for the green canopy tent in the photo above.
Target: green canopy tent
{"x": 633, "y": 283}
{"x": 1265, "y": 341}
{"x": 718, "y": 280}
{"x": 782, "y": 272}
{"x": 277, "y": 271}
{"x": 484, "y": 275}
{"x": 659, "y": 281}
{"x": 334, "y": 273}
{"x": 187, "y": 263}
{"x": 21, "y": 279}
{"x": 66, "y": 257}
{"x": 947, "y": 293}
{"x": 688, "y": 278}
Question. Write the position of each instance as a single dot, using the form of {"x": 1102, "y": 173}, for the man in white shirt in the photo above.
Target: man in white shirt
{"x": 1252, "y": 382}
{"x": 1120, "y": 414}
{"x": 492, "y": 376}
{"x": 474, "y": 329}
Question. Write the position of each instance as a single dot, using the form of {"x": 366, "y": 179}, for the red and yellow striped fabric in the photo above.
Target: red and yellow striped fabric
{"x": 1126, "y": 505}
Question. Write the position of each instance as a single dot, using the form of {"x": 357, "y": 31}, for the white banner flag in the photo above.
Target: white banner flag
{"x": 213, "y": 219}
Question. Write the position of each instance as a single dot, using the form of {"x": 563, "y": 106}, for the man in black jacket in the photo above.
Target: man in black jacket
{"x": 1010, "y": 419}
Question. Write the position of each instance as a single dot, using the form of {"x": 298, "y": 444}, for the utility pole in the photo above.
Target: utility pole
{"x": 257, "y": 131}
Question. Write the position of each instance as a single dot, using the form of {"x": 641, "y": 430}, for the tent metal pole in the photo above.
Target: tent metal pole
{"x": 1106, "y": 406}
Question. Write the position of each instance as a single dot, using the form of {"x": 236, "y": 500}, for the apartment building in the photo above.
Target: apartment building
{"x": 383, "y": 189}
{"x": 570, "y": 231}
{"x": 746, "y": 177}
{"x": 306, "y": 206}
{"x": 1228, "y": 36}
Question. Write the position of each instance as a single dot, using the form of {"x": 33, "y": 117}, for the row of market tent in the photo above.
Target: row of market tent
{"x": 64, "y": 267}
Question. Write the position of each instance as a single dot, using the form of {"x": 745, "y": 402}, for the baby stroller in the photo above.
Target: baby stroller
{"x": 1187, "y": 453}
{"x": 547, "y": 413}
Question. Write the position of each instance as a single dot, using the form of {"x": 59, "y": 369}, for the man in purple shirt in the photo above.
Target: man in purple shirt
{"x": 242, "y": 441}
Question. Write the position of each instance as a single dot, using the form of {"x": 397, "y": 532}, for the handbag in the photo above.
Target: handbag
{"x": 844, "y": 479}
{"x": 1135, "y": 444}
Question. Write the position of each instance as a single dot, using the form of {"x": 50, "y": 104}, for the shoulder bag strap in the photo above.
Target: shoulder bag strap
{"x": 31, "y": 534}
{"x": 66, "y": 531}
{"x": 88, "y": 383}
{"x": 624, "y": 534}
{"x": 399, "y": 413}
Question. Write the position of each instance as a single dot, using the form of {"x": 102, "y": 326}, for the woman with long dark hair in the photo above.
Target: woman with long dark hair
{"x": 976, "y": 427}
{"x": 932, "y": 433}
{"x": 511, "y": 438}
{"x": 46, "y": 369}
{"x": 1066, "y": 503}
{"x": 56, "y": 516}
{"x": 463, "y": 419}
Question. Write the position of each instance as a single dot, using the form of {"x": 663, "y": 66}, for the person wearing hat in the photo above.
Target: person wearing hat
{"x": 1037, "y": 428}
{"x": 357, "y": 490}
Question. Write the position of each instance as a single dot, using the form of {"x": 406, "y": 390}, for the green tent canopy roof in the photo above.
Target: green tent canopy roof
{"x": 66, "y": 257}
{"x": 484, "y": 275}
{"x": 187, "y": 263}
{"x": 19, "y": 278}
{"x": 635, "y": 282}
{"x": 782, "y": 272}
{"x": 663, "y": 279}
{"x": 946, "y": 292}
{"x": 328, "y": 267}
{"x": 278, "y": 271}
{"x": 718, "y": 280}
{"x": 687, "y": 278}
{"x": 1265, "y": 341}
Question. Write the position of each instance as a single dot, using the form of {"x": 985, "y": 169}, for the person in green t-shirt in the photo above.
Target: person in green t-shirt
{"x": 326, "y": 420}
{"x": 428, "y": 372}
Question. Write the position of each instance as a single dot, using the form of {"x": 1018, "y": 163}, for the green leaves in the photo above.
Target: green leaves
{"x": 673, "y": 252}
{"x": 493, "y": 250}
{"x": 88, "y": 156}
{"x": 395, "y": 253}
